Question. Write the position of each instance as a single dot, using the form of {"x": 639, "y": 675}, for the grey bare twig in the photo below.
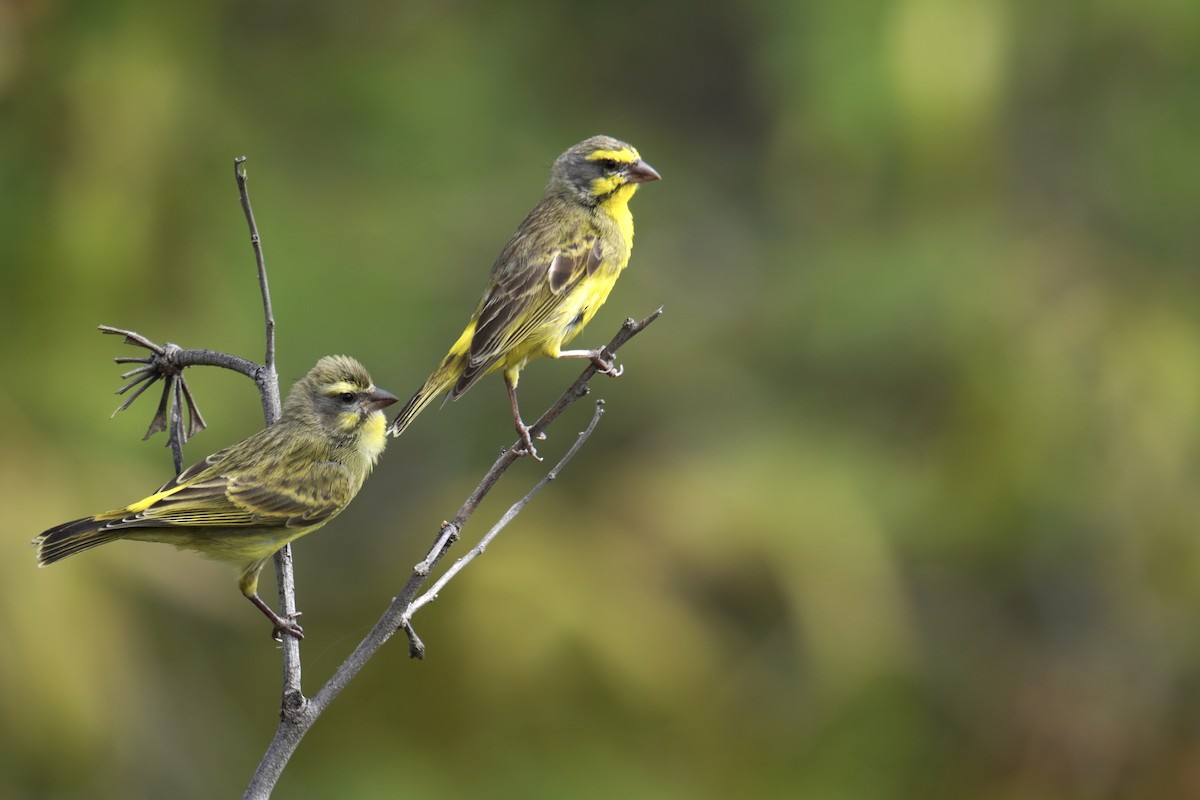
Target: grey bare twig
{"x": 271, "y": 376}
{"x": 398, "y": 615}
{"x": 167, "y": 362}
{"x": 293, "y": 695}
{"x": 179, "y": 416}
{"x": 516, "y": 508}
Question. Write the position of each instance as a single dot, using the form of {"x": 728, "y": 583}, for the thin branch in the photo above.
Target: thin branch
{"x": 271, "y": 377}
{"x": 167, "y": 363}
{"x": 177, "y": 420}
{"x": 293, "y": 696}
{"x": 398, "y": 616}
{"x": 450, "y": 531}
{"x": 578, "y": 389}
{"x": 171, "y": 357}
{"x": 178, "y": 414}
{"x": 516, "y": 508}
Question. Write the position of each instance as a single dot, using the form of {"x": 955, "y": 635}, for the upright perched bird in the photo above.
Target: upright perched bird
{"x": 242, "y": 504}
{"x": 550, "y": 279}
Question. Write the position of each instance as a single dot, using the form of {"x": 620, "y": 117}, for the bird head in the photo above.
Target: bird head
{"x": 339, "y": 391}
{"x": 599, "y": 169}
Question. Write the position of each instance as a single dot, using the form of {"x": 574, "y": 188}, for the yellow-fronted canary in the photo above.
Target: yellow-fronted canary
{"x": 242, "y": 504}
{"x": 550, "y": 279}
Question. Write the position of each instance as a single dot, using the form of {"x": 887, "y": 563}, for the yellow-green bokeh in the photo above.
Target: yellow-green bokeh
{"x": 897, "y": 500}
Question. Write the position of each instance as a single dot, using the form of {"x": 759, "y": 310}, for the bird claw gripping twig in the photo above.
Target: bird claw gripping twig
{"x": 526, "y": 441}
{"x": 162, "y": 363}
{"x": 606, "y": 363}
{"x": 602, "y": 358}
{"x": 287, "y": 626}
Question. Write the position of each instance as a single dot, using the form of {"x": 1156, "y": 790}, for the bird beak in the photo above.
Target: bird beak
{"x": 641, "y": 172}
{"x": 378, "y": 399}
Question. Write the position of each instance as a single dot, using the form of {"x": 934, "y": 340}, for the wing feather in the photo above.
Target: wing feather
{"x": 521, "y": 301}
{"x": 240, "y": 501}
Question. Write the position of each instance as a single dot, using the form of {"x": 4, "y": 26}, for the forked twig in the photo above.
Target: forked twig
{"x": 167, "y": 362}
{"x": 417, "y": 649}
{"x": 285, "y": 578}
{"x": 178, "y": 415}
{"x": 398, "y": 616}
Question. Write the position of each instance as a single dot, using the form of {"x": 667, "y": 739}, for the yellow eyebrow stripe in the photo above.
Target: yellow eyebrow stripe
{"x": 342, "y": 386}
{"x": 624, "y": 156}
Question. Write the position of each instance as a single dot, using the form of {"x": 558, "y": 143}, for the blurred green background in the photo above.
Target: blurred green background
{"x": 897, "y": 500}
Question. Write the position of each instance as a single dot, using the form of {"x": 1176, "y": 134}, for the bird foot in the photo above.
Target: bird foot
{"x": 281, "y": 625}
{"x": 606, "y": 365}
{"x": 526, "y": 446}
{"x": 288, "y": 626}
{"x": 604, "y": 361}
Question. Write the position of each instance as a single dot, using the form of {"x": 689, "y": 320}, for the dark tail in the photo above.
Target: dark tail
{"x": 71, "y": 538}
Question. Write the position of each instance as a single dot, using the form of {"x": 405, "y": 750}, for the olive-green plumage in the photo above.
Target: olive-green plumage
{"x": 550, "y": 278}
{"x": 242, "y": 504}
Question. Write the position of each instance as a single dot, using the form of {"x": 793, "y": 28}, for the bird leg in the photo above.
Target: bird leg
{"x": 282, "y": 626}
{"x": 522, "y": 428}
{"x": 602, "y": 360}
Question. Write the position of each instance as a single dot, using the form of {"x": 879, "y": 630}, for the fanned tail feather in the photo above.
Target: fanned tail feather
{"x": 71, "y": 538}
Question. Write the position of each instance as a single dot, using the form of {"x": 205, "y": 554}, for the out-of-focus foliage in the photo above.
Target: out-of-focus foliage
{"x": 898, "y": 500}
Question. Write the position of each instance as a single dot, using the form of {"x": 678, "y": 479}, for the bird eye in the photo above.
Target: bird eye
{"x": 346, "y": 397}
{"x": 609, "y": 165}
